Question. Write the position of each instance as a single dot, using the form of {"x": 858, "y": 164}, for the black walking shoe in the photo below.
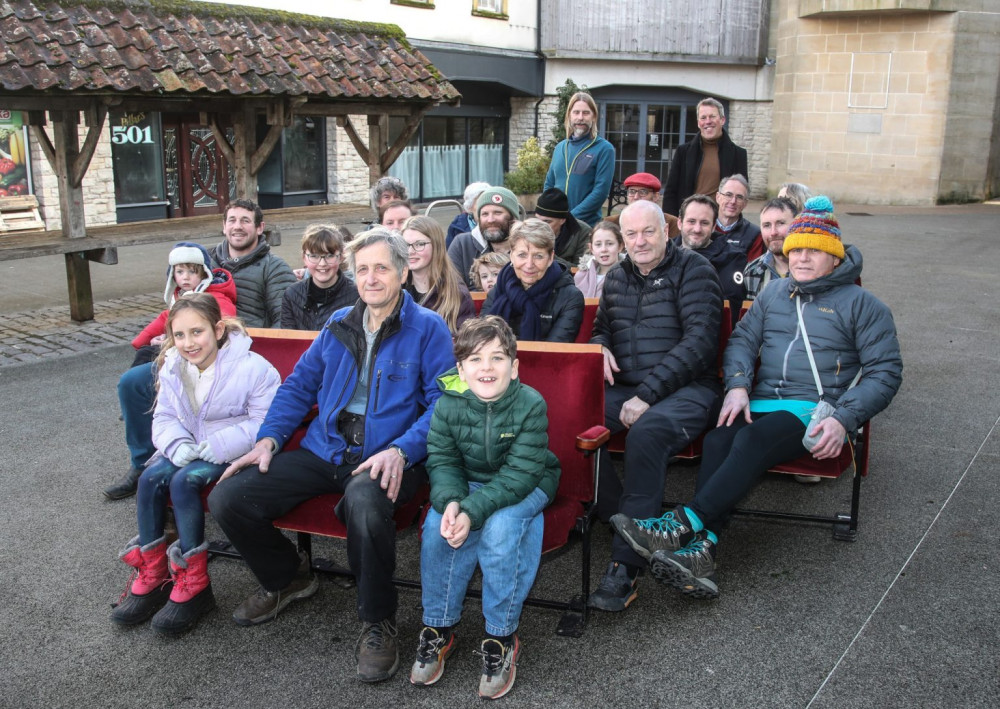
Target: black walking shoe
{"x": 616, "y": 590}
{"x": 125, "y": 487}
{"x": 669, "y": 532}
{"x": 690, "y": 570}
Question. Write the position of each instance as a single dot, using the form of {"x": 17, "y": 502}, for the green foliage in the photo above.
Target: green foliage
{"x": 529, "y": 175}
{"x": 564, "y": 92}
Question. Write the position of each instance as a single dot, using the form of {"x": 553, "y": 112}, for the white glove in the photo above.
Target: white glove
{"x": 185, "y": 453}
{"x": 206, "y": 454}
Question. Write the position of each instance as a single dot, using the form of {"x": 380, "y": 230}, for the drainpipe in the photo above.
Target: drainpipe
{"x": 538, "y": 51}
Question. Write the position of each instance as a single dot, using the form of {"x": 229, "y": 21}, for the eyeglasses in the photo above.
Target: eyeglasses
{"x": 643, "y": 193}
{"x": 733, "y": 196}
{"x": 321, "y": 258}
{"x": 417, "y": 246}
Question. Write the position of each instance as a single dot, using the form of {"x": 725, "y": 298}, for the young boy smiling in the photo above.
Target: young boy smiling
{"x": 491, "y": 476}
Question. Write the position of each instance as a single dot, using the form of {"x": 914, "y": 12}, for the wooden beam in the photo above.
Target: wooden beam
{"x": 345, "y": 123}
{"x": 346, "y": 108}
{"x": 96, "y": 113}
{"x": 66, "y": 141}
{"x": 244, "y": 146}
{"x": 263, "y": 150}
{"x": 212, "y": 121}
{"x": 409, "y": 128}
{"x": 81, "y": 296}
{"x": 378, "y": 139}
{"x": 38, "y": 130}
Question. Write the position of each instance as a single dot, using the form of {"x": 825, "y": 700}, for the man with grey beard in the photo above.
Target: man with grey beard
{"x": 496, "y": 210}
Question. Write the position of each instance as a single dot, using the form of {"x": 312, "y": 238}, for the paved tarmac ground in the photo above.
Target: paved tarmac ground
{"x": 905, "y": 617}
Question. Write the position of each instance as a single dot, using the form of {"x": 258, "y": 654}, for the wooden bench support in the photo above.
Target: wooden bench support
{"x": 81, "y": 294}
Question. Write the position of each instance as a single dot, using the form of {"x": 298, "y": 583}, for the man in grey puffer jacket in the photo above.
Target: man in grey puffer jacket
{"x": 261, "y": 277}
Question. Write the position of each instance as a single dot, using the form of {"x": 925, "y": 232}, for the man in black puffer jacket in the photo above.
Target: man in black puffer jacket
{"x": 261, "y": 277}
{"x": 658, "y": 324}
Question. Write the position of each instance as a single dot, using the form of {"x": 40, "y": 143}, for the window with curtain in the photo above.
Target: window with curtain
{"x": 449, "y": 152}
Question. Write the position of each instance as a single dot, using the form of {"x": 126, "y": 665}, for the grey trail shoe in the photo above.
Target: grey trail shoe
{"x": 669, "y": 532}
{"x": 690, "y": 570}
{"x": 264, "y": 605}
{"x": 499, "y": 667}
{"x": 433, "y": 649}
{"x": 616, "y": 590}
{"x": 377, "y": 651}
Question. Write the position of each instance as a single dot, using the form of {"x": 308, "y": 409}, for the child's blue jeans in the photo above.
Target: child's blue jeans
{"x": 184, "y": 486}
{"x": 508, "y": 548}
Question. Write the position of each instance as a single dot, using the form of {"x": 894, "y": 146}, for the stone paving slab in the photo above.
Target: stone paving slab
{"x": 48, "y": 333}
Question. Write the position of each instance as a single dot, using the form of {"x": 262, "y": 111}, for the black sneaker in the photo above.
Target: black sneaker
{"x": 690, "y": 570}
{"x": 499, "y": 667}
{"x": 669, "y": 532}
{"x": 433, "y": 649}
{"x": 377, "y": 652}
{"x": 616, "y": 590}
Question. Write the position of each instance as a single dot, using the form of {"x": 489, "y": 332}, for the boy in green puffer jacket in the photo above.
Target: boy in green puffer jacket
{"x": 491, "y": 476}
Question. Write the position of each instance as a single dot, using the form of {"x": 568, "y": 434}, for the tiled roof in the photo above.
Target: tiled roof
{"x": 165, "y": 48}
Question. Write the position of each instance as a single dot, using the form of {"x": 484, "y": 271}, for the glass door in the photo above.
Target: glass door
{"x": 646, "y": 134}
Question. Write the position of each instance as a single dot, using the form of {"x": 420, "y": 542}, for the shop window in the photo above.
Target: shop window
{"x": 137, "y": 165}
{"x": 295, "y": 171}
{"x": 449, "y": 152}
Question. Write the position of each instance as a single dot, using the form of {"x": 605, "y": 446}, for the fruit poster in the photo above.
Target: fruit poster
{"x": 15, "y": 166}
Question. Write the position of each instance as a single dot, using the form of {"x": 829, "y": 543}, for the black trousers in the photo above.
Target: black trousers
{"x": 735, "y": 458}
{"x": 246, "y": 504}
{"x": 659, "y": 434}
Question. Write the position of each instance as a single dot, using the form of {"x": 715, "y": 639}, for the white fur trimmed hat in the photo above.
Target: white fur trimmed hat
{"x": 187, "y": 252}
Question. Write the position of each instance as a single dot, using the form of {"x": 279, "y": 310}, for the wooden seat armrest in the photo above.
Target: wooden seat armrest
{"x": 593, "y": 438}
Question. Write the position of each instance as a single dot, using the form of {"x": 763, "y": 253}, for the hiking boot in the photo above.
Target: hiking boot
{"x": 125, "y": 487}
{"x": 499, "y": 667}
{"x": 264, "y": 605}
{"x": 616, "y": 590}
{"x": 433, "y": 649}
{"x": 148, "y": 588}
{"x": 191, "y": 597}
{"x": 670, "y": 532}
{"x": 690, "y": 570}
{"x": 377, "y": 652}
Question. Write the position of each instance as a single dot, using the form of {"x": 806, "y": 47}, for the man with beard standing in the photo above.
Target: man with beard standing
{"x": 583, "y": 164}
{"x": 496, "y": 210}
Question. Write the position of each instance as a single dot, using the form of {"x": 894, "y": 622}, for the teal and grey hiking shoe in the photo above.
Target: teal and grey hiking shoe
{"x": 691, "y": 570}
{"x": 669, "y": 532}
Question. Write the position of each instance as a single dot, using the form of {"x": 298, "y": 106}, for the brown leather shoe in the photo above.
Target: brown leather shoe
{"x": 377, "y": 652}
{"x": 264, "y": 605}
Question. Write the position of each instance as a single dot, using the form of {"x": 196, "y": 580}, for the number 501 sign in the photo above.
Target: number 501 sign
{"x": 120, "y": 135}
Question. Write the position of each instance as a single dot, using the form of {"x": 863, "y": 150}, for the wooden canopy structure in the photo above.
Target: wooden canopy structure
{"x": 228, "y": 63}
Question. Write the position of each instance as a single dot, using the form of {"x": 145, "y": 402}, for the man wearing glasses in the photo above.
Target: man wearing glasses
{"x": 742, "y": 235}
{"x": 643, "y": 186}
{"x": 699, "y": 164}
{"x": 371, "y": 374}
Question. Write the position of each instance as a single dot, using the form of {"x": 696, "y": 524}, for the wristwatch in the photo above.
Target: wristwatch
{"x": 402, "y": 454}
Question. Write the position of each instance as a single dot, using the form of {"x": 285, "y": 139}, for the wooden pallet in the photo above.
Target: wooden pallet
{"x": 18, "y": 214}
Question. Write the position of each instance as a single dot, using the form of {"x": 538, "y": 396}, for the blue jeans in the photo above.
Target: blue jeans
{"x": 184, "y": 486}
{"x": 136, "y": 396}
{"x": 508, "y": 548}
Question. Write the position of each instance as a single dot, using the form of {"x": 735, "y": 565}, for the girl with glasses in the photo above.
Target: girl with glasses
{"x": 308, "y": 304}
{"x": 433, "y": 281}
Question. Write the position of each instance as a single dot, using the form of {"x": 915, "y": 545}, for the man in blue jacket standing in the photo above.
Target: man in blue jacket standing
{"x": 372, "y": 374}
{"x": 583, "y": 164}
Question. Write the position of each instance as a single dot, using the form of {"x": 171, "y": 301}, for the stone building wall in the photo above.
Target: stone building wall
{"x": 749, "y": 125}
{"x": 98, "y": 183}
{"x": 522, "y": 122}
{"x": 347, "y": 180}
{"x": 879, "y": 107}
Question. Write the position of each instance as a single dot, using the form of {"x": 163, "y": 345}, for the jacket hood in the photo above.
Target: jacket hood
{"x": 231, "y": 263}
{"x": 451, "y": 384}
{"x": 847, "y": 273}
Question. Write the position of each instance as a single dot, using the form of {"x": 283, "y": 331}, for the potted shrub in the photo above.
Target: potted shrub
{"x": 528, "y": 178}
